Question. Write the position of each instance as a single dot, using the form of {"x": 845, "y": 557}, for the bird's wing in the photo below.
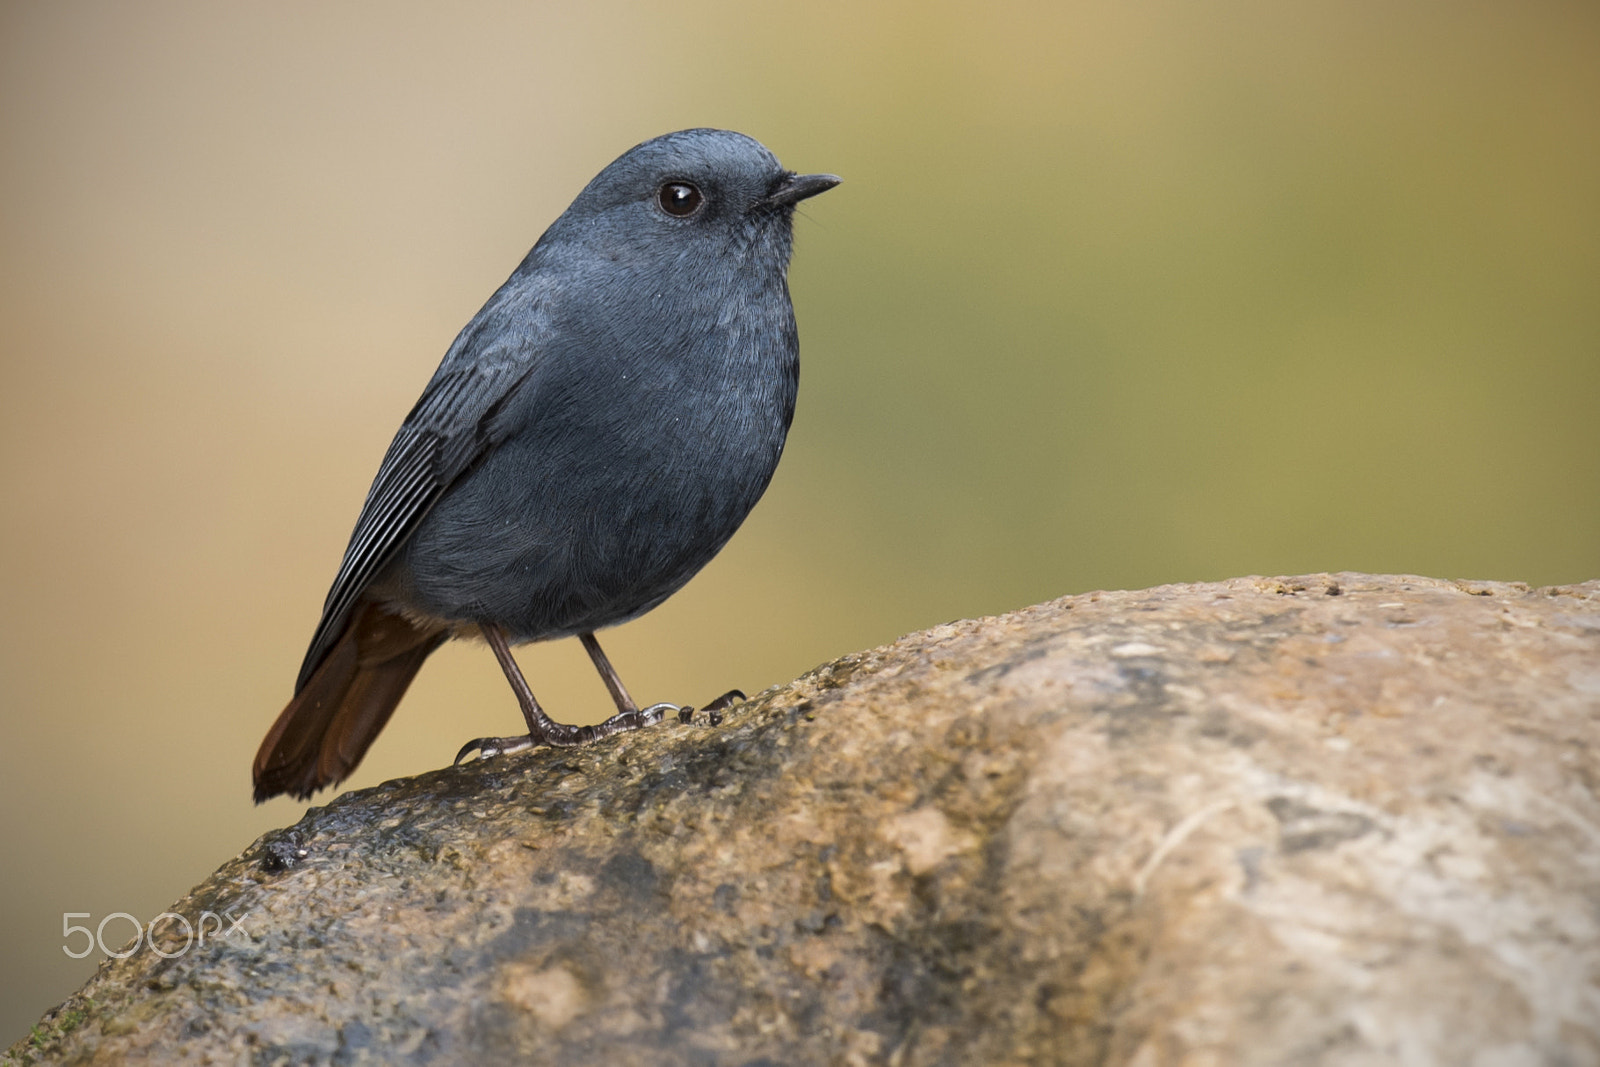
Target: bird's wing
{"x": 445, "y": 433}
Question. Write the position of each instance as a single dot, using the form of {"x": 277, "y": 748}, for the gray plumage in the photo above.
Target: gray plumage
{"x": 604, "y": 424}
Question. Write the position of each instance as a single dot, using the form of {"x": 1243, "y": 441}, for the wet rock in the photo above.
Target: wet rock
{"x": 1336, "y": 819}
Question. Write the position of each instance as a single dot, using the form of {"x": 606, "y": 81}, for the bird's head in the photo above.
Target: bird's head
{"x": 690, "y": 192}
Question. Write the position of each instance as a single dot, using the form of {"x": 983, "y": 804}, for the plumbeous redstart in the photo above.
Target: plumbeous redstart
{"x": 593, "y": 437}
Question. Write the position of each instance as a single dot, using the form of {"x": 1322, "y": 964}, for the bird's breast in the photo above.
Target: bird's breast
{"x": 611, "y": 483}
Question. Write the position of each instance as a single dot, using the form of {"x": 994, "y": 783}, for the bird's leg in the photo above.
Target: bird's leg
{"x": 624, "y": 702}
{"x": 608, "y": 674}
{"x": 619, "y": 692}
{"x": 542, "y": 729}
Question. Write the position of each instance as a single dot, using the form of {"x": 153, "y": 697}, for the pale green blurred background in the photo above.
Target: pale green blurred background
{"x": 1113, "y": 295}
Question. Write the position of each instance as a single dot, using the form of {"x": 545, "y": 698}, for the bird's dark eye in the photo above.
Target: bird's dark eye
{"x": 679, "y": 198}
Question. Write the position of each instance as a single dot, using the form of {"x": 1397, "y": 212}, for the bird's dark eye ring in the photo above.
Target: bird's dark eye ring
{"x": 679, "y": 198}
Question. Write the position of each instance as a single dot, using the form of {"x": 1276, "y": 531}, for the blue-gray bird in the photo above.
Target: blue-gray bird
{"x": 593, "y": 437}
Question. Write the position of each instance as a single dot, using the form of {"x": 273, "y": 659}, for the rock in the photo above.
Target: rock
{"x": 1339, "y": 819}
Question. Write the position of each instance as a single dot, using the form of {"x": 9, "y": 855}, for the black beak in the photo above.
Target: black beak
{"x": 794, "y": 188}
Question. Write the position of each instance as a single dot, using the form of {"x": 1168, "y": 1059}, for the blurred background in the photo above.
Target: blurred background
{"x": 1113, "y": 295}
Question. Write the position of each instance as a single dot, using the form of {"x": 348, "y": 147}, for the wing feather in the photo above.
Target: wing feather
{"x": 444, "y": 435}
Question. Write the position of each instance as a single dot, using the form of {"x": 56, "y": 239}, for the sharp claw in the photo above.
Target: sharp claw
{"x": 715, "y": 709}
{"x": 656, "y": 712}
{"x": 726, "y": 700}
{"x": 488, "y": 747}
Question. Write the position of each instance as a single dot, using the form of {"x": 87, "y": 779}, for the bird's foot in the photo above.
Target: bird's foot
{"x": 714, "y": 709}
{"x": 561, "y": 735}
{"x": 493, "y": 746}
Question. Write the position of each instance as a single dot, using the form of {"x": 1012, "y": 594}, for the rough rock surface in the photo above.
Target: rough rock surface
{"x": 1337, "y": 819}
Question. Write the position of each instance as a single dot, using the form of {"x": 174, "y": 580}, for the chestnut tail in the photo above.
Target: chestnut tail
{"x": 320, "y": 737}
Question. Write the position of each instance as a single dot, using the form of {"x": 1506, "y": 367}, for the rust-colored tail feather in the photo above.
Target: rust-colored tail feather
{"x": 321, "y": 736}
